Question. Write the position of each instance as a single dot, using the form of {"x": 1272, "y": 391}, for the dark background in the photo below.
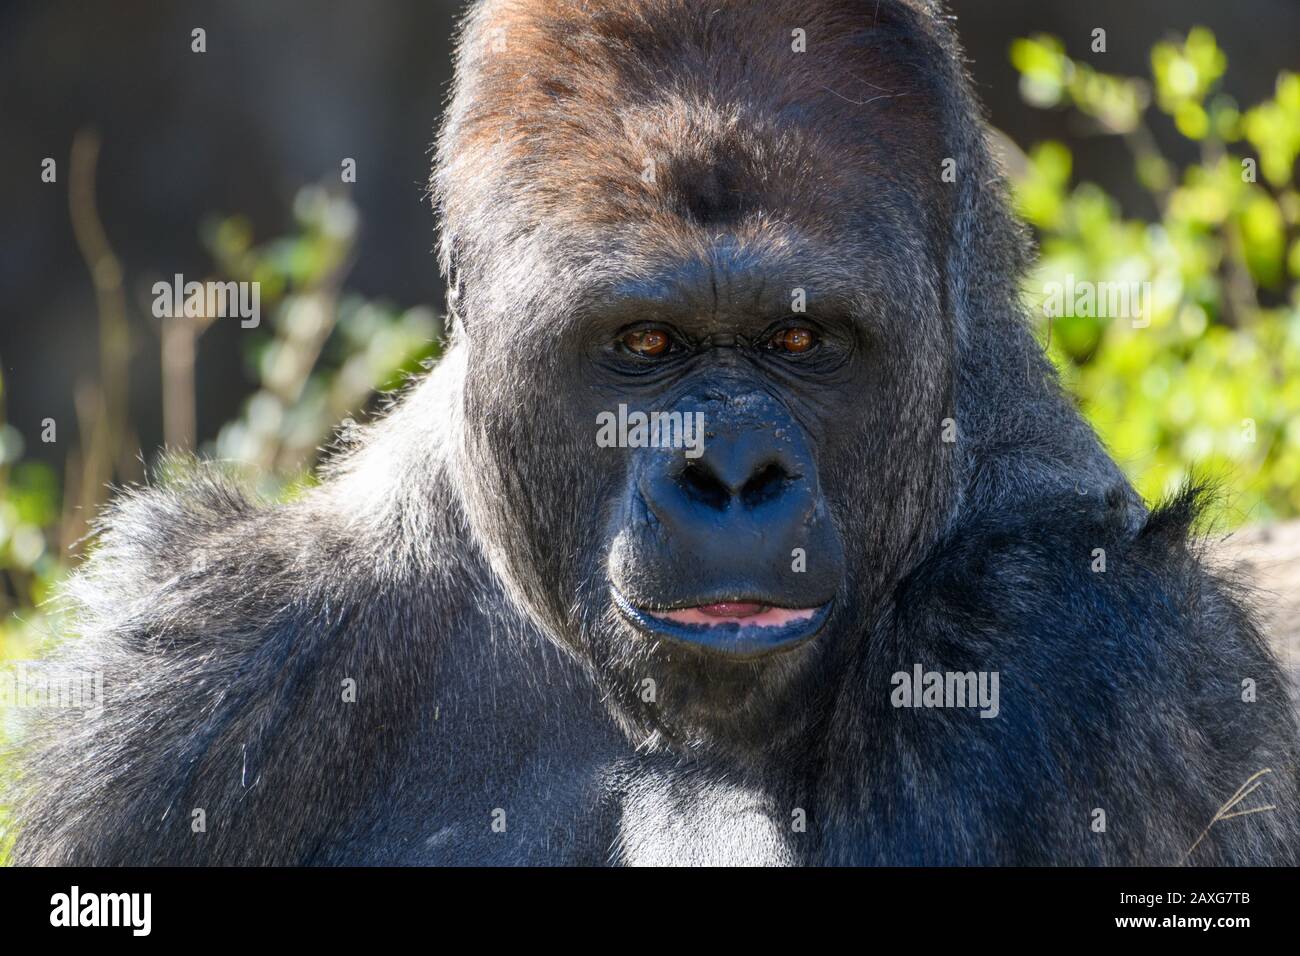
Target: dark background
{"x": 288, "y": 88}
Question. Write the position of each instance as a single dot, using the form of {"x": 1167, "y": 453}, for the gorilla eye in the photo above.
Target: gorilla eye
{"x": 794, "y": 341}
{"x": 648, "y": 342}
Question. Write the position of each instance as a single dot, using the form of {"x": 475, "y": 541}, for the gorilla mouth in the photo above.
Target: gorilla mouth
{"x": 741, "y": 629}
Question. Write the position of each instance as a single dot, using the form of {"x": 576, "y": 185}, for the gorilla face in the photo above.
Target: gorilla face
{"x": 703, "y": 409}
{"x": 721, "y": 544}
{"x": 713, "y": 569}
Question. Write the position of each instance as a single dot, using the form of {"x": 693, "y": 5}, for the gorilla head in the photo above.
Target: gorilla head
{"x": 635, "y": 224}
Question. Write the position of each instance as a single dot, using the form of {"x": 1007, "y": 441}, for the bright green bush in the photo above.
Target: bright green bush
{"x": 1207, "y": 380}
{"x": 30, "y": 564}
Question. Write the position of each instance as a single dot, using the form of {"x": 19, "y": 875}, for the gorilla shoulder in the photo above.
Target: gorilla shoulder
{"x": 223, "y": 630}
{"x": 1125, "y": 669}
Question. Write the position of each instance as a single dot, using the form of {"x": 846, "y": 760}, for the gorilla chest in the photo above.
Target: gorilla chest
{"x": 676, "y": 820}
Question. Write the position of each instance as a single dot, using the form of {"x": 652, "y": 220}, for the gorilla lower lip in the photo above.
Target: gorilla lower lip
{"x": 751, "y": 615}
{"x": 735, "y": 628}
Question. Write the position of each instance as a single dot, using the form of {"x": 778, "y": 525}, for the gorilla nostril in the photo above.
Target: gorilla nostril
{"x": 704, "y": 486}
{"x": 767, "y": 484}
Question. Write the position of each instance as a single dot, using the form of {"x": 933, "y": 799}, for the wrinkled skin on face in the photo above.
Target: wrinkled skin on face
{"x": 756, "y": 220}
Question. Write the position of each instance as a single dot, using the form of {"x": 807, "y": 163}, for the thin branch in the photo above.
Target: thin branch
{"x": 1245, "y": 790}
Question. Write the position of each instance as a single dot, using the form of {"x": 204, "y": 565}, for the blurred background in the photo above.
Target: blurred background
{"x": 1161, "y": 151}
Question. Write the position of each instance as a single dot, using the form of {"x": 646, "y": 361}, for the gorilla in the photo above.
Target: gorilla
{"x": 893, "y": 604}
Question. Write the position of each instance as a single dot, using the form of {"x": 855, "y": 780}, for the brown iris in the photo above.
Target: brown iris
{"x": 794, "y": 340}
{"x": 648, "y": 342}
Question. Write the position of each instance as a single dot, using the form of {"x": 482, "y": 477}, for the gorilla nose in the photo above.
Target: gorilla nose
{"x": 750, "y": 471}
{"x": 748, "y": 489}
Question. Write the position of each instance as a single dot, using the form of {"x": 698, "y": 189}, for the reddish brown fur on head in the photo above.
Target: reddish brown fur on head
{"x": 674, "y": 118}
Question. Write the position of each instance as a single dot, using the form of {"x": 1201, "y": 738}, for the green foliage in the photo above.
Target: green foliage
{"x": 326, "y": 352}
{"x": 1049, "y": 78}
{"x": 29, "y": 565}
{"x": 1205, "y": 377}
